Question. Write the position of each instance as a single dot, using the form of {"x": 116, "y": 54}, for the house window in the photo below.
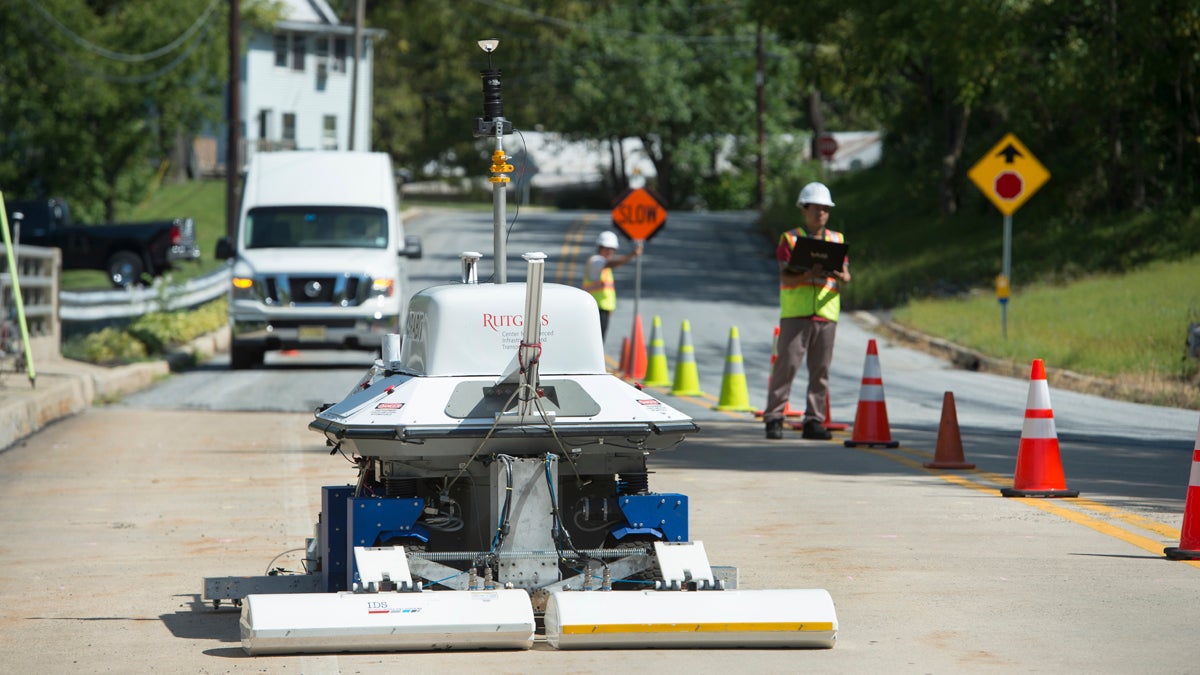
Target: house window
{"x": 329, "y": 135}
{"x": 339, "y": 55}
{"x": 299, "y": 47}
{"x": 281, "y": 50}
{"x": 264, "y": 123}
{"x": 289, "y": 130}
{"x": 321, "y": 44}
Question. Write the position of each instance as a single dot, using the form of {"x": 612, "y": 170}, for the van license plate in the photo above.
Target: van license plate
{"x": 311, "y": 333}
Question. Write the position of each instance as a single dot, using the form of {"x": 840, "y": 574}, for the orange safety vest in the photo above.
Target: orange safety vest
{"x": 806, "y": 298}
{"x": 604, "y": 289}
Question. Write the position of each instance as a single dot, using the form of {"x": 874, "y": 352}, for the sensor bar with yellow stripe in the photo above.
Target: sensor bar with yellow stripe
{"x": 796, "y": 618}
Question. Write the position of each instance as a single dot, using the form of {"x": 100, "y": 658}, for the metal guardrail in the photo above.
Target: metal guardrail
{"x": 37, "y": 273}
{"x": 136, "y": 301}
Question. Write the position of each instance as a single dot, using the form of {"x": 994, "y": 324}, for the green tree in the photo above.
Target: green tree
{"x": 677, "y": 75}
{"x": 1104, "y": 90}
{"x": 97, "y": 96}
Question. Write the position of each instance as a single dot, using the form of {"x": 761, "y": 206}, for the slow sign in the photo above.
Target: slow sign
{"x": 639, "y": 214}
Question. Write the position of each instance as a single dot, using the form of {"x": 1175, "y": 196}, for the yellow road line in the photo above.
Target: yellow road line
{"x": 1131, "y": 518}
{"x": 568, "y": 253}
{"x": 1062, "y": 508}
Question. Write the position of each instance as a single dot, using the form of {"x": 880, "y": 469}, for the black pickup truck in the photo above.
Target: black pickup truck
{"x": 124, "y": 251}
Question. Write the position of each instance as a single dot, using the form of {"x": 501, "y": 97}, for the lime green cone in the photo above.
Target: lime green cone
{"x": 734, "y": 394}
{"x": 687, "y": 380}
{"x": 656, "y": 365}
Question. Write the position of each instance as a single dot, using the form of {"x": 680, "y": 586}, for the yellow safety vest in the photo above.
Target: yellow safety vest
{"x": 807, "y": 298}
{"x": 604, "y": 290}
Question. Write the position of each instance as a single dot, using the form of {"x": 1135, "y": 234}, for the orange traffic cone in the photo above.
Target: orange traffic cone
{"x": 1039, "y": 467}
{"x": 623, "y": 369}
{"x": 637, "y": 350}
{"x": 949, "y": 451}
{"x": 787, "y": 407}
{"x": 1189, "y": 540}
{"x": 829, "y": 423}
{"x": 871, "y": 419}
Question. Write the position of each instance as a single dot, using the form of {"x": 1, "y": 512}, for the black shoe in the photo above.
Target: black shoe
{"x": 775, "y": 429}
{"x": 814, "y": 431}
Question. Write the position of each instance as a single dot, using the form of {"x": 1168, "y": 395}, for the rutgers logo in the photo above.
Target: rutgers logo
{"x": 416, "y": 326}
{"x": 498, "y": 321}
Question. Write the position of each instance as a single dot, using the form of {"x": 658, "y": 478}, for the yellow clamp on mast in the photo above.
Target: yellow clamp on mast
{"x": 500, "y": 168}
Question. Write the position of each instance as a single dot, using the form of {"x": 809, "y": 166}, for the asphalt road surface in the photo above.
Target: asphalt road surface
{"x": 111, "y": 519}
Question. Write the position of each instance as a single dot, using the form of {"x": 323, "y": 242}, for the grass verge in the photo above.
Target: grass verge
{"x": 1129, "y": 329}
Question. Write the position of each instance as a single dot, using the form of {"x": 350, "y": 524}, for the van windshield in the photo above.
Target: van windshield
{"x": 315, "y": 227}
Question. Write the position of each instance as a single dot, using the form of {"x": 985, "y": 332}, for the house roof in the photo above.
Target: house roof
{"x": 316, "y": 16}
{"x": 309, "y": 11}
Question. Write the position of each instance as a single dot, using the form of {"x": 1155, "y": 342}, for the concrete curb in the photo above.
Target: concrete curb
{"x": 65, "y": 387}
{"x": 969, "y": 359}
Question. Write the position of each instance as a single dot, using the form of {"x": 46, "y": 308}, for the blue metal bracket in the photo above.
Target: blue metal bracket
{"x": 662, "y": 515}
{"x": 347, "y": 522}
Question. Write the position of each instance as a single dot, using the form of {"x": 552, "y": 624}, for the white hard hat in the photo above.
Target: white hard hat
{"x": 814, "y": 193}
{"x": 607, "y": 239}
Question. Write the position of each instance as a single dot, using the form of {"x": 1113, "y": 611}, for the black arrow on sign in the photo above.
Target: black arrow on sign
{"x": 1009, "y": 152}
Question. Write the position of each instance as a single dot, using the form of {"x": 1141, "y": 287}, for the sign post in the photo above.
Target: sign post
{"x": 1008, "y": 175}
{"x": 639, "y": 215}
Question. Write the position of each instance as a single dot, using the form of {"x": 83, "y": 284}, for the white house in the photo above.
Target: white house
{"x": 296, "y": 84}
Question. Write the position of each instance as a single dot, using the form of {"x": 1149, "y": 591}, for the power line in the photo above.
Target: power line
{"x": 139, "y": 79}
{"x": 128, "y": 58}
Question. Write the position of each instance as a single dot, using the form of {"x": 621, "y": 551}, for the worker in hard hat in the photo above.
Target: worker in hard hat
{"x": 809, "y": 306}
{"x": 598, "y": 275}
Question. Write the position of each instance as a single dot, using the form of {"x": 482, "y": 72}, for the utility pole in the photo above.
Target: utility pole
{"x": 233, "y": 120}
{"x": 358, "y": 28}
{"x": 760, "y": 77}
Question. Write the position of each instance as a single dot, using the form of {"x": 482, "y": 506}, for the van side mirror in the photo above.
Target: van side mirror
{"x": 412, "y": 247}
{"x": 224, "y": 249}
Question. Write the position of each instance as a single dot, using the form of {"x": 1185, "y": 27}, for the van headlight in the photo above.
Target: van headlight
{"x": 382, "y": 288}
{"x": 243, "y": 288}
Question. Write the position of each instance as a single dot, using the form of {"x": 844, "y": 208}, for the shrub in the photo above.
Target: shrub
{"x": 148, "y": 336}
{"x": 108, "y": 346}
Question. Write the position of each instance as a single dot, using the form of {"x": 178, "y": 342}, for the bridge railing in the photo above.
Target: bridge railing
{"x": 37, "y": 275}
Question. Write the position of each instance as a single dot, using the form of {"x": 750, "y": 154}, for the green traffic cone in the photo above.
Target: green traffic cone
{"x": 687, "y": 380}
{"x": 734, "y": 394}
{"x": 656, "y": 366}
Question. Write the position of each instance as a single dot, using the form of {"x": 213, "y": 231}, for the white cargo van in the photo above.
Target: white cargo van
{"x": 318, "y": 260}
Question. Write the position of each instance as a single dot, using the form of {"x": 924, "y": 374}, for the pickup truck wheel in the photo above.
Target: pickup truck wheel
{"x": 124, "y": 268}
{"x": 244, "y": 357}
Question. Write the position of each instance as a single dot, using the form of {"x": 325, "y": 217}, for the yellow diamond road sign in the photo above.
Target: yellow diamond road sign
{"x": 1008, "y": 174}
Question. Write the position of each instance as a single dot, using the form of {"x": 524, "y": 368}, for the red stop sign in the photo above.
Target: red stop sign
{"x": 827, "y": 145}
{"x": 1009, "y": 185}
